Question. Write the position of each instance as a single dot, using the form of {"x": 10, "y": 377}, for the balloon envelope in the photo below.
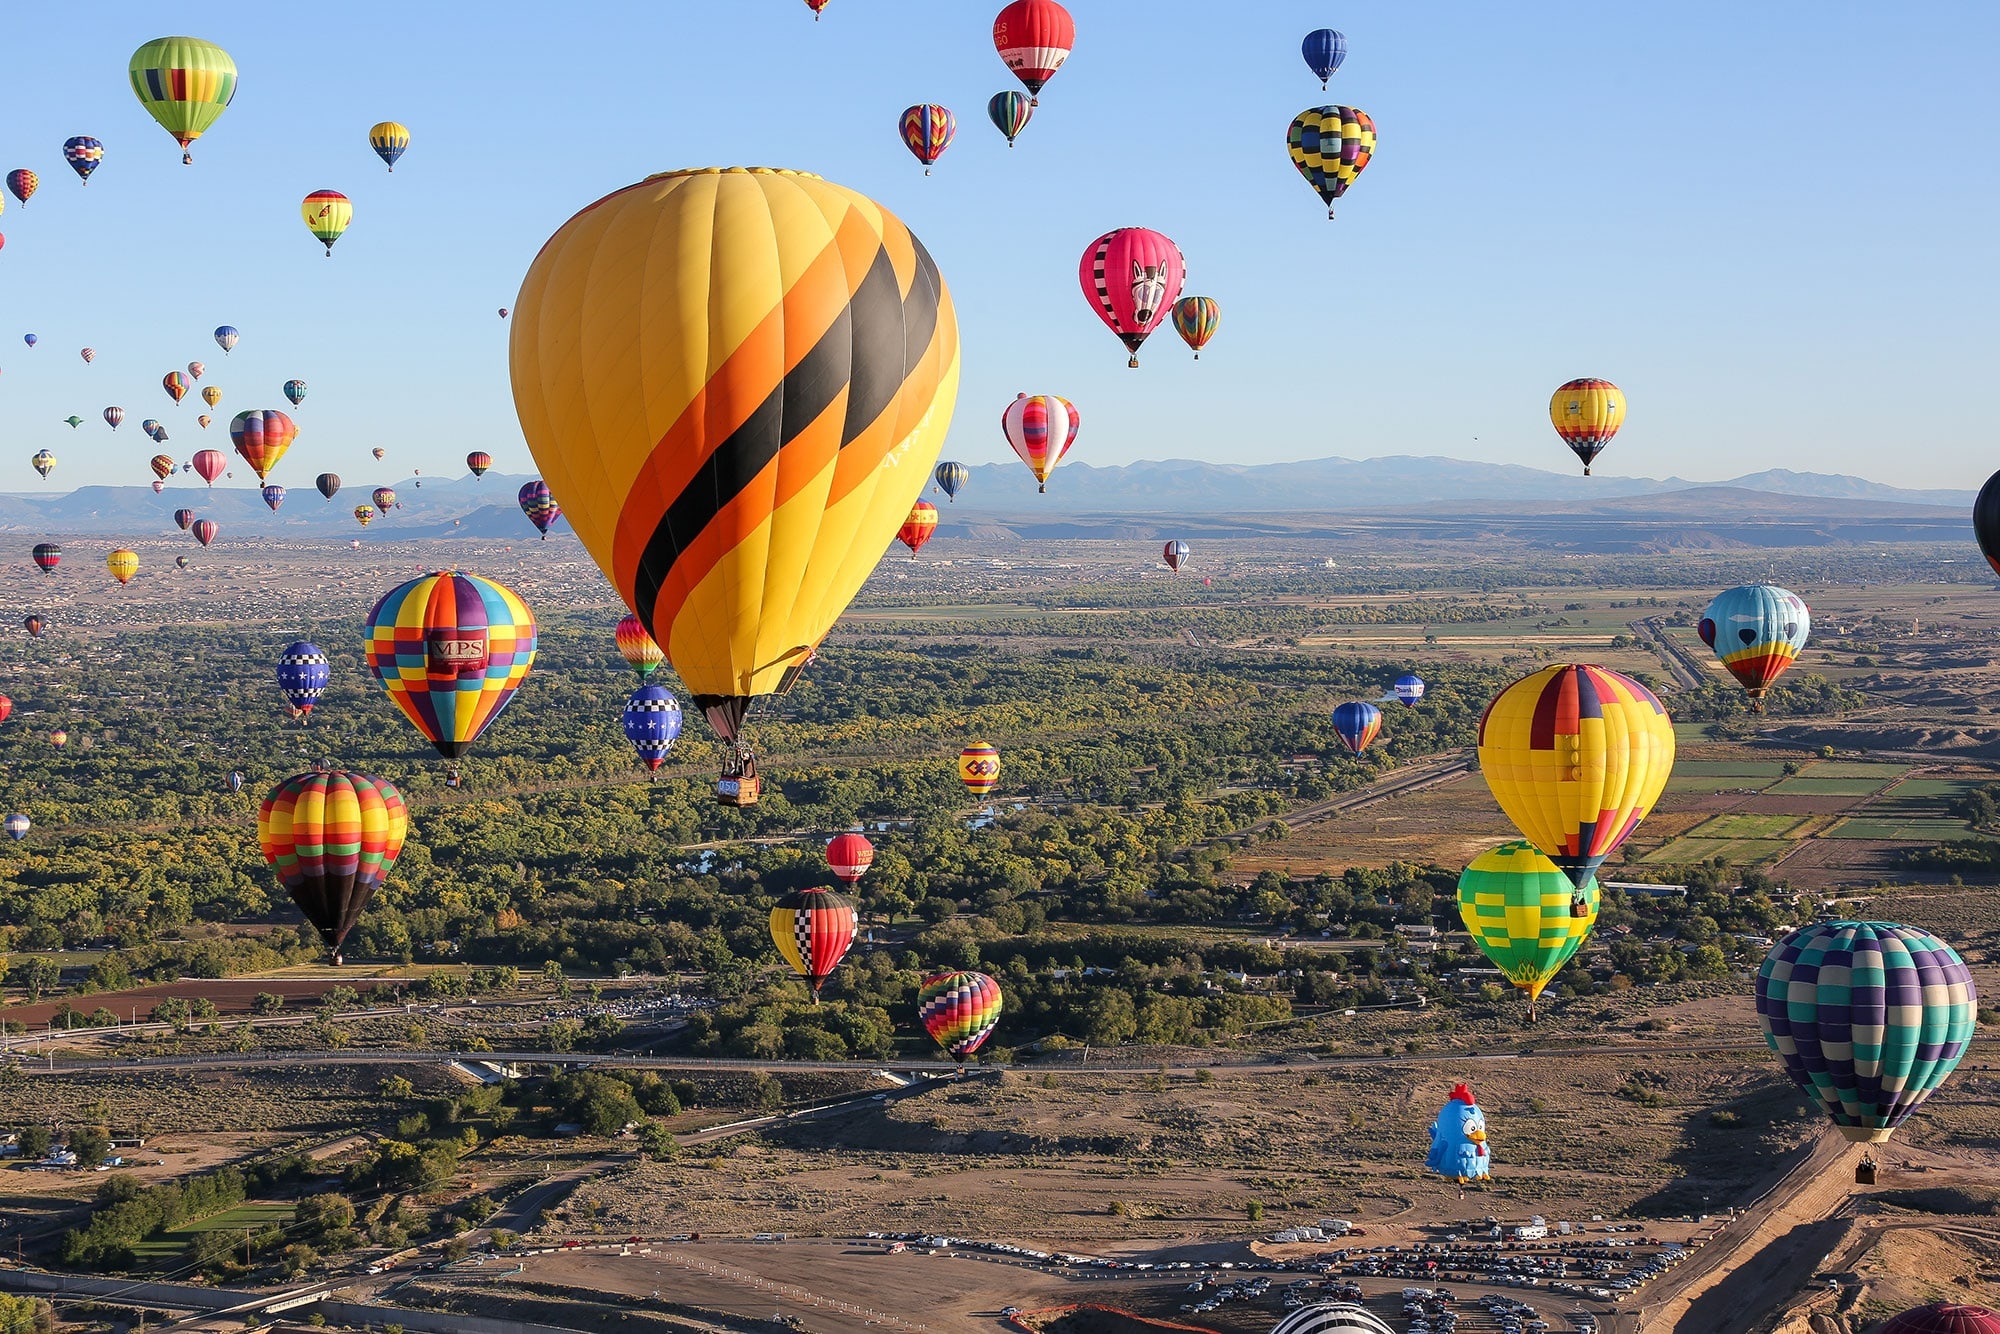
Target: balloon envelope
{"x": 327, "y": 214}
{"x": 389, "y": 140}
{"x": 1034, "y": 38}
{"x": 1409, "y": 689}
{"x": 123, "y": 564}
{"x": 185, "y": 84}
{"x": 1524, "y": 913}
{"x": 919, "y": 527}
{"x": 1356, "y": 723}
{"x": 951, "y": 478}
{"x": 1757, "y": 631}
{"x": 84, "y": 155}
{"x": 959, "y": 1010}
{"x": 1132, "y": 277}
{"x": 262, "y": 438}
{"x": 927, "y": 130}
{"x": 274, "y": 496}
{"x": 813, "y": 929}
{"x": 1944, "y": 1318}
{"x": 332, "y": 837}
{"x": 540, "y": 506}
{"x": 636, "y": 646}
{"x": 328, "y": 484}
{"x": 1175, "y": 553}
{"x": 210, "y": 463}
{"x": 849, "y": 856}
{"x": 451, "y": 649}
{"x": 1040, "y": 429}
{"x": 1196, "y": 318}
{"x": 652, "y": 723}
{"x": 303, "y": 674}
{"x": 1868, "y": 1017}
{"x": 1010, "y": 113}
{"x": 979, "y": 768}
{"x": 48, "y": 555}
{"x": 1323, "y": 50}
{"x": 1586, "y": 414}
{"x": 226, "y": 336}
{"x": 1331, "y": 146}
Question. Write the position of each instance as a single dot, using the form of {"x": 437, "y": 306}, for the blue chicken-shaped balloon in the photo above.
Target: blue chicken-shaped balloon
{"x": 1458, "y": 1140}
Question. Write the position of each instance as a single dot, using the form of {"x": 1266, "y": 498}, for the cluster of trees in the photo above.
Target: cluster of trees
{"x": 127, "y": 1213}
{"x": 25, "y": 1315}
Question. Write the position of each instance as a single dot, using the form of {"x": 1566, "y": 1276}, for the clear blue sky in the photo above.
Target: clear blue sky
{"x": 1772, "y": 225}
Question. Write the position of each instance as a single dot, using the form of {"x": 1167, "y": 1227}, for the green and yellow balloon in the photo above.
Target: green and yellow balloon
{"x": 1524, "y": 912}
{"x": 185, "y": 84}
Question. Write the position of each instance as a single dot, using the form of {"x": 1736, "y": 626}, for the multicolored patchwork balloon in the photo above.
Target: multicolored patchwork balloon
{"x": 636, "y": 646}
{"x": 1196, "y": 318}
{"x": 327, "y": 214}
{"x": 1868, "y": 1017}
{"x": 22, "y": 183}
{"x": 262, "y": 438}
{"x": 333, "y": 838}
{"x": 451, "y": 649}
{"x": 813, "y": 929}
{"x": 959, "y": 1010}
{"x": 84, "y": 154}
{"x": 1586, "y": 414}
{"x": 1757, "y": 631}
{"x": 1331, "y": 146}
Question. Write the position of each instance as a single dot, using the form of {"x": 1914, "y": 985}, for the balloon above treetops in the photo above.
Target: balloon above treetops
{"x": 1757, "y": 631}
{"x": 1576, "y": 756}
{"x": 813, "y": 929}
{"x": 333, "y": 838}
{"x": 1525, "y": 914}
{"x": 185, "y": 84}
{"x": 451, "y": 649}
{"x": 771, "y": 362}
{"x": 959, "y": 1010}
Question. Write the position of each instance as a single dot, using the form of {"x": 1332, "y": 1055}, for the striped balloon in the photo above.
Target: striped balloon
{"x": 327, "y": 214}
{"x": 813, "y": 929}
{"x": 23, "y": 183}
{"x": 1331, "y": 147}
{"x": 478, "y": 461}
{"x": 389, "y": 140}
{"x": 48, "y": 555}
{"x": 1586, "y": 414}
{"x": 540, "y": 506}
{"x": 979, "y": 768}
{"x": 1034, "y": 38}
{"x": 262, "y": 438}
{"x": 918, "y": 528}
{"x": 451, "y": 649}
{"x": 1356, "y": 724}
{"x": 204, "y": 530}
{"x": 951, "y": 478}
{"x": 274, "y": 496}
{"x": 636, "y": 646}
{"x": 1010, "y": 113}
{"x": 736, "y": 499}
{"x": 176, "y": 384}
{"x": 1331, "y": 1318}
{"x": 1175, "y": 554}
{"x": 927, "y": 130}
{"x": 332, "y": 837}
{"x": 959, "y": 1010}
{"x": 83, "y": 154}
{"x": 1868, "y": 1017}
{"x": 652, "y": 721}
{"x": 1132, "y": 277}
{"x": 185, "y": 84}
{"x": 184, "y": 518}
{"x": 1196, "y": 318}
{"x": 1040, "y": 429}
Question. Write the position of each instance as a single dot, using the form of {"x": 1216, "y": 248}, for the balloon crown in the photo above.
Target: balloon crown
{"x": 1462, "y": 1093}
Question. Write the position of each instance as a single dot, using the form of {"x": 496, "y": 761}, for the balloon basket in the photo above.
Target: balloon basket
{"x": 1864, "y": 1172}
{"x": 742, "y": 790}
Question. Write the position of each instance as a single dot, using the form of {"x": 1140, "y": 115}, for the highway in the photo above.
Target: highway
{"x": 1687, "y": 670}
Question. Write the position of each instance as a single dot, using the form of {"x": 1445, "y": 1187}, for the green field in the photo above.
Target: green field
{"x": 1741, "y": 851}
{"x": 1914, "y": 829}
{"x": 1883, "y": 769}
{"x": 1930, "y": 790}
{"x": 255, "y": 1215}
{"x": 1684, "y": 732}
{"x": 1747, "y": 826}
{"x": 1728, "y": 768}
{"x": 1830, "y": 787}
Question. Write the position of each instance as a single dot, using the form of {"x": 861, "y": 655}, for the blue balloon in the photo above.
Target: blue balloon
{"x": 302, "y": 675}
{"x": 952, "y": 476}
{"x": 235, "y": 781}
{"x": 1409, "y": 689}
{"x": 652, "y": 723}
{"x": 1324, "y": 50}
{"x": 1357, "y": 724}
{"x": 1458, "y": 1140}
{"x": 30, "y": 339}
{"x": 226, "y": 336}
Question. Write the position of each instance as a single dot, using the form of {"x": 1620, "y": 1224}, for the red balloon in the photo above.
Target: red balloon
{"x": 1034, "y": 37}
{"x": 204, "y": 530}
{"x": 849, "y": 855}
{"x": 1132, "y": 277}
{"x": 210, "y": 463}
{"x": 6, "y": 708}
{"x": 184, "y": 518}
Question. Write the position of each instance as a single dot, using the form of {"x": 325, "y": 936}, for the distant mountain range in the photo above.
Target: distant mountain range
{"x": 485, "y": 508}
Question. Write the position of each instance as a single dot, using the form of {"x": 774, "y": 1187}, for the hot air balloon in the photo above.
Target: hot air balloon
{"x": 364, "y": 515}
{"x": 303, "y": 674}
{"x": 636, "y": 646}
{"x": 389, "y": 140}
{"x": 83, "y": 155}
{"x": 203, "y": 421}
{"x": 1586, "y": 414}
{"x": 816, "y": 6}
{"x": 185, "y": 519}
{"x": 1010, "y": 114}
{"x": 451, "y": 649}
{"x": 1331, "y": 1318}
{"x": 1944, "y": 1317}
{"x": 1323, "y": 50}
{"x": 813, "y": 929}
{"x": 1040, "y": 429}
{"x": 1409, "y": 689}
{"x": 1525, "y": 914}
{"x": 849, "y": 856}
{"x": 73, "y": 421}
{"x": 951, "y": 477}
{"x": 1131, "y": 277}
{"x": 195, "y": 369}
{"x": 1458, "y": 1140}
{"x": 1331, "y": 146}
{"x": 327, "y": 213}
{"x": 48, "y": 555}
{"x": 539, "y": 506}
{"x": 181, "y": 561}
{"x": 1868, "y": 1017}
{"x": 22, "y": 183}
{"x": 274, "y": 496}
{"x": 185, "y": 84}
{"x": 959, "y": 1010}
{"x": 1034, "y": 37}
{"x": 162, "y": 465}
{"x": 379, "y": 453}
{"x": 677, "y": 501}
{"x": 1174, "y": 553}
{"x": 1758, "y": 631}
{"x": 113, "y": 416}
{"x": 209, "y": 463}
{"x": 43, "y": 461}
{"x": 262, "y": 438}
{"x": 176, "y": 385}
{"x": 295, "y": 390}
{"x": 652, "y": 724}
{"x": 6, "y": 708}
{"x": 1356, "y": 724}
{"x": 919, "y": 527}
{"x": 478, "y": 461}
{"x": 89, "y": 354}
{"x": 503, "y": 312}
{"x": 356, "y": 543}
{"x": 979, "y": 768}
{"x": 235, "y": 780}
{"x": 31, "y": 339}
{"x": 212, "y": 395}
{"x": 1196, "y": 318}
{"x": 332, "y": 836}
{"x": 151, "y": 427}
{"x": 59, "y": 738}
{"x": 204, "y": 530}
{"x": 225, "y": 338}
{"x": 385, "y": 498}
{"x": 158, "y": 486}
{"x": 17, "y": 827}
{"x": 1576, "y": 756}
{"x": 927, "y": 130}
{"x": 33, "y": 625}
{"x": 123, "y": 565}
{"x": 328, "y": 484}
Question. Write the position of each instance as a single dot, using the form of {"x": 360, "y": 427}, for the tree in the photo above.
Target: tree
{"x": 657, "y": 1142}
{"x": 395, "y": 1088}
{"x": 326, "y": 1219}
{"x": 90, "y": 1144}
{"x": 561, "y": 1034}
{"x": 35, "y": 1142}
{"x": 601, "y": 1105}
{"x": 40, "y": 975}
{"x": 25, "y": 1315}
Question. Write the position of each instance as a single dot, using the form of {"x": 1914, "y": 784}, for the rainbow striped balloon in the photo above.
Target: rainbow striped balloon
{"x": 959, "y": 1010}
{"x": 637, "y": 647}
{"x": 927, "y": 130}
{"x": 332, "y": 837}
{"x": 451, "y": 649}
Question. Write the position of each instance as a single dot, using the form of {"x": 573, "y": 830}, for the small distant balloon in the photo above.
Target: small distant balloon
{"x": 73, "y": 421}
{"x": 540, "y": 506}
{"x": 1323, "y": 50}
{"x": 183, "y": 518}
{"x": 951, "y": 478}
{"x": 1196, "y": 318}
{"x": 195, "y": 369}
{"x": 274, "y": 496}
{"x": 295, "y": 390}
{"x": 225, "y": 338}
{"x": 927, "y": 130}
{"x": 176, "y": 384}
{"x": 1010, "y": 113}
{"x": 327, "y": 214}
{"x": 389, "y": 140}
{"x": 43, "y": 462}
{"x": 83, "y": 155}
{"x": 478, "y": 461}
{"x": 123, "y": 564}
{"x": 48, "y": 555}
{"x": 212, "y": 395}
{"x": 328, "y": 484}
{"x": 89, "y": 354}
{"x": 22, "y": 183}
{"x": 379, "y": 453}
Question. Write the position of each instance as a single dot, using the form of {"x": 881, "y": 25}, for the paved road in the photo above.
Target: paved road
{"x": 1401, "y": 782}
{"x": 1687, "y": 670}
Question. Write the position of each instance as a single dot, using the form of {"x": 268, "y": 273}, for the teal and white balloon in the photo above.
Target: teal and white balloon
{"x": 1757, "y": 630}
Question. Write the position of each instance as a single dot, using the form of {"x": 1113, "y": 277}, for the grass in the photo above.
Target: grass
{"x": 1931, "y": 788}
{"x": 1741, "y": 851}
{"x": 1728, "y": 768}
{"x": 1830, "y": 787}
{"x": 1916, "y": 829}
{"x": 1857, "y": 769}
{"x": 1747, "y": 826}
{"x": 1684, "y": 732}
{"x": 255, "y": 1215}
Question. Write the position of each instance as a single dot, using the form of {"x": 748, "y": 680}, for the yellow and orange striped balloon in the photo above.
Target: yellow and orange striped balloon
{"x": 735, "y": 381}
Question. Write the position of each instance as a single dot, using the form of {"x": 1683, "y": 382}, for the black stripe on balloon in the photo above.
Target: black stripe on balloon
{"x": 872, "y": 345}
